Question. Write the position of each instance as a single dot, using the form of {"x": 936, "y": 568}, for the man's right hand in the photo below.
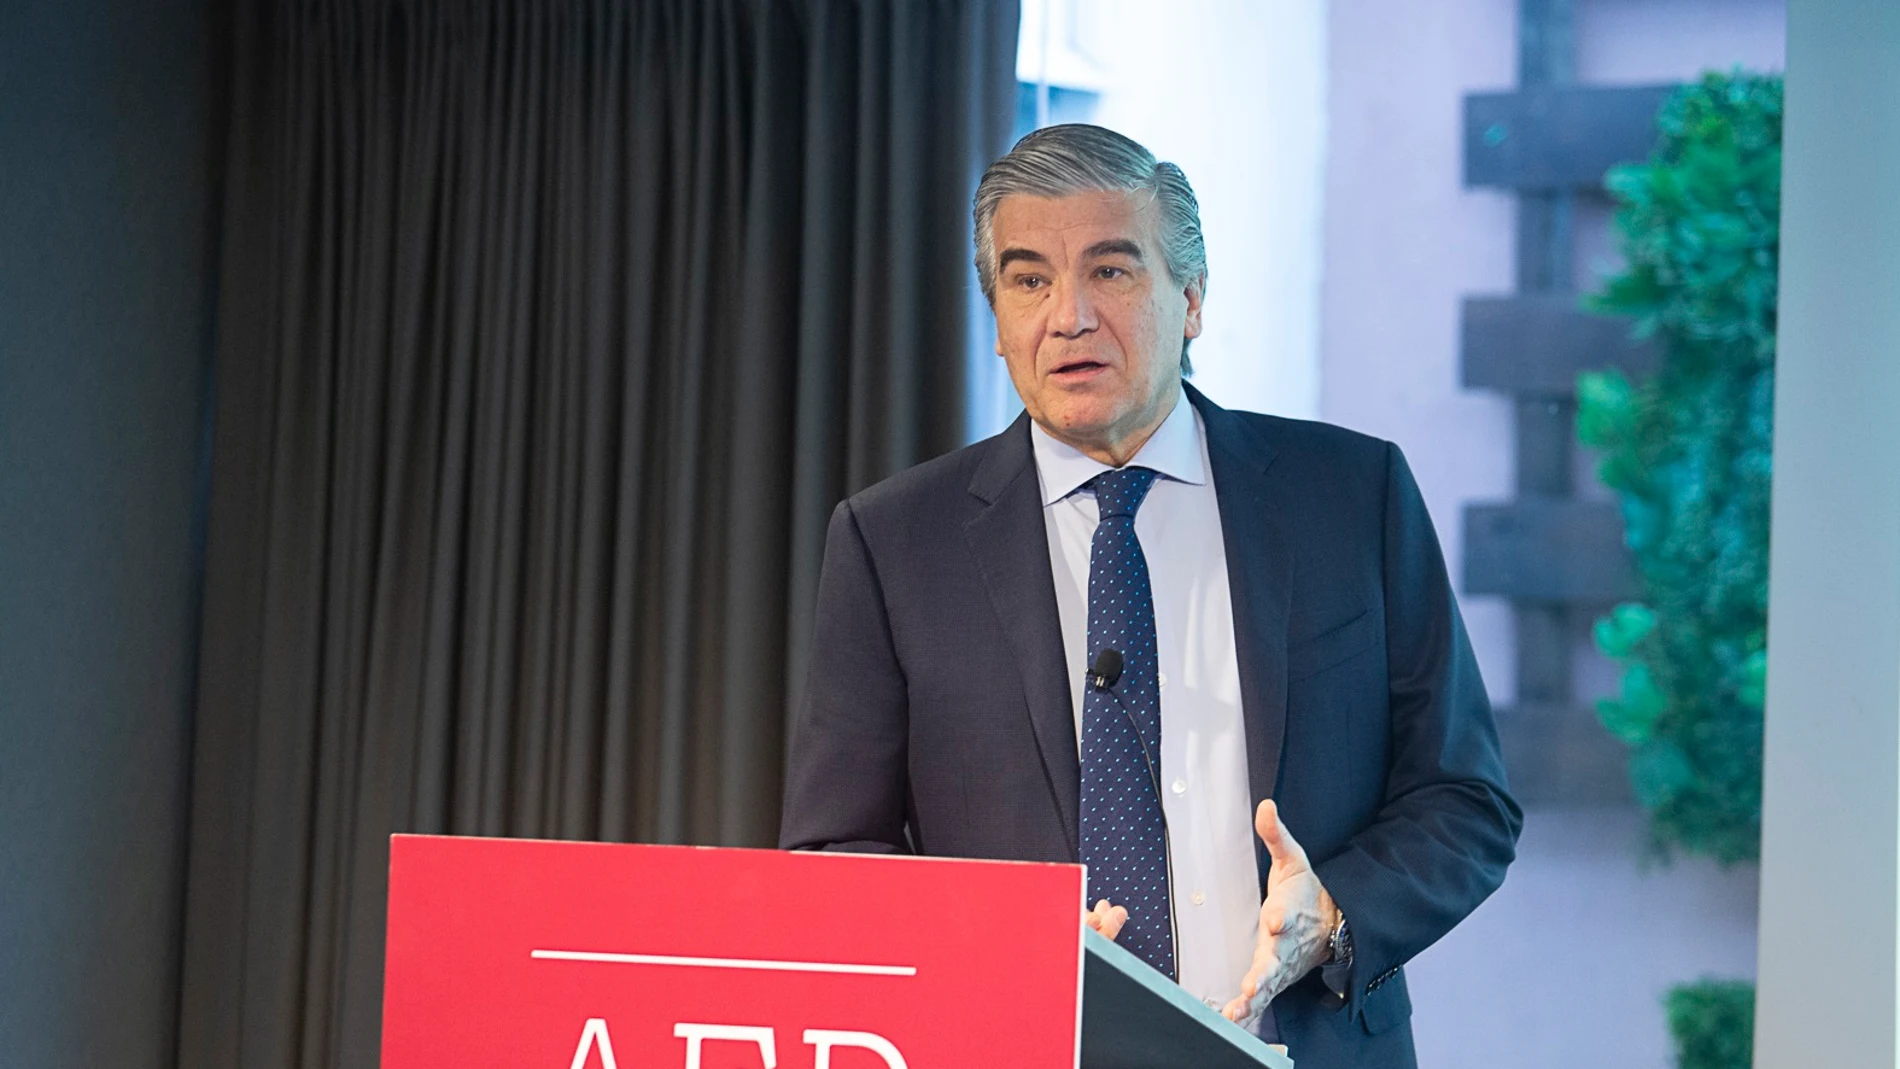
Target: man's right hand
{"x": 1106, "y": 919}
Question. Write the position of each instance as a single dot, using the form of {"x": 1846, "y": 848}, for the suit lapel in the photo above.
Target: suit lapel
{"x": 1258, "y": 579}
{"x": 1011, "y": 547}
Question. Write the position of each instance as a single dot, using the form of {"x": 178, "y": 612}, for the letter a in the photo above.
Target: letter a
{"x": 825, "y": 1039}
{"x": 595, "y": 1034}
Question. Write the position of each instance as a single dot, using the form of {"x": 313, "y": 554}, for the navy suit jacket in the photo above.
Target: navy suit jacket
{"x": 938, "y": 719}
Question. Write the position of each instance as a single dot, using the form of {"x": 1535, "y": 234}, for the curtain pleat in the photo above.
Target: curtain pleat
{"x": 550, "y": 333}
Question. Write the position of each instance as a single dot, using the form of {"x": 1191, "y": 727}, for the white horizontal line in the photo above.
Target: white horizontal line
{"x": 726, "y": 963}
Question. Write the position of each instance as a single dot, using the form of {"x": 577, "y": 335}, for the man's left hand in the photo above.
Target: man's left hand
{"x": 1296, "y": 920}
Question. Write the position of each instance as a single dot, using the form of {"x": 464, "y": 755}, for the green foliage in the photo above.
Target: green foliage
{"x": 1688, "y": 455}
{"x": 1712, "y": 1023}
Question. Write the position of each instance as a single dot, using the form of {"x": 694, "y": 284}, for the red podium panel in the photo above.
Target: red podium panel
{"x": 529, "y": 954}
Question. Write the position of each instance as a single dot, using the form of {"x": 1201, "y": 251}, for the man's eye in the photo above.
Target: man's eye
{"x": 1029, "y": 282}
{"x": 1109, "y": 272}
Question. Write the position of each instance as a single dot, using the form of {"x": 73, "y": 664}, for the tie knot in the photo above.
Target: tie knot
{"x": 1120, "y": 492}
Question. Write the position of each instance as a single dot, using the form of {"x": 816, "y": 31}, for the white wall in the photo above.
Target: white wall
{"x": 1405, "y": 242}
{"x": 1831, "y": 784}
{"x": 1234, "y": 91}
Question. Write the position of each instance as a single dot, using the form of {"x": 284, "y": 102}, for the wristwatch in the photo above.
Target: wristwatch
{"x": 1341, "y": 943}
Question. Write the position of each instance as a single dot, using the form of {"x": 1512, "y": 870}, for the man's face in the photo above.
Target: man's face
{"x": 1088, "y": 319}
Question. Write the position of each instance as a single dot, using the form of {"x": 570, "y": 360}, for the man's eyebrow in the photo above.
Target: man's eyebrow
{"x": 1011, "y": 255}
{"x": 1113, "y": 247}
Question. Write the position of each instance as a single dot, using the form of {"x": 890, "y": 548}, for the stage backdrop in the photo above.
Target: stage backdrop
{"x": 550, "y": 332}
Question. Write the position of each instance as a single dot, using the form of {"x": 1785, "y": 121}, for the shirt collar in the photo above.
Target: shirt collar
{"x": 1174, "y": 450}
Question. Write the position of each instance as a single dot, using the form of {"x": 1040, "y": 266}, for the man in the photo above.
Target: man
{"x": 1137, "y": 630}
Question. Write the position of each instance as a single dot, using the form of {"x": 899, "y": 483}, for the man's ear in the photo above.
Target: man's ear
{"x": 1193, "y": 292}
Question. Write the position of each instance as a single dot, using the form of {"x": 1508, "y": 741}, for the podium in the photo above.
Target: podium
{"x": 527, "y": 953}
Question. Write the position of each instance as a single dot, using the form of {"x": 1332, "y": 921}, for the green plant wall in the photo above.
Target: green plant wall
{"x": 1688, "y": 454}
{"x": 1712, "y": 1024}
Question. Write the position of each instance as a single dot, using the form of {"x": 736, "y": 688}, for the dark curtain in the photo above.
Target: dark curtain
{"x": 550, "y": 333}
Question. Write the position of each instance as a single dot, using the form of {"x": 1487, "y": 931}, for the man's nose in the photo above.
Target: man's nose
{"x": 1074, "y": 313}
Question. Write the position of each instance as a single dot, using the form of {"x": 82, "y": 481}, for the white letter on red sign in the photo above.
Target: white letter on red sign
{"x": 825, "y": 1039}
{"x": 695, "y": 1034}
{"x": 595, "y": 1034}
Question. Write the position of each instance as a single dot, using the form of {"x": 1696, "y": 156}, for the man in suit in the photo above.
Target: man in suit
{"x": 1137, "y": 629}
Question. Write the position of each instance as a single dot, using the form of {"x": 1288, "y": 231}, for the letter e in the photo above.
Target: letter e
{"x": 696, "y": 1034}
{"x": 825, "y": 1039}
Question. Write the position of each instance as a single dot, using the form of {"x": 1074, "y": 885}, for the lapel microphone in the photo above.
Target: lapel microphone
{"x": 1106, "y": 672}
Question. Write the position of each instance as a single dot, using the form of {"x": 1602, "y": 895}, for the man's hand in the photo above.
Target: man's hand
{"x": 1296, "y": 920}
{"x": 1106, "y": 919}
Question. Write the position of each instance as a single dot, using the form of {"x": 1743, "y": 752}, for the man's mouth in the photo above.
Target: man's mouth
{"x": 1077, "y": 368}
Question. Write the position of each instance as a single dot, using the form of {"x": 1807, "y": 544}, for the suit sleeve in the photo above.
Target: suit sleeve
{"x": 846, "y": 782}
{"x": 1448, "y": 828}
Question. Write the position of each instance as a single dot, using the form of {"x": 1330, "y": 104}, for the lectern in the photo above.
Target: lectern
{"x": 523, "y": 954}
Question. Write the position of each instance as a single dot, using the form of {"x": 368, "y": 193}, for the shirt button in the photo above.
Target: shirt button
{"x": 1162, "y": 678}
{"x": 1212, "y": 1004}
{"x": 1180, "y": 786}
{"x": 1200, "y": 898}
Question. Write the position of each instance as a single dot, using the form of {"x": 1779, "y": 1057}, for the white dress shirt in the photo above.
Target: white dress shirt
{"x": 1204, "y": 787}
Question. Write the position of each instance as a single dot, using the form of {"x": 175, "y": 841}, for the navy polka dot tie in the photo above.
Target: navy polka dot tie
{"x": 1123, "y": 842}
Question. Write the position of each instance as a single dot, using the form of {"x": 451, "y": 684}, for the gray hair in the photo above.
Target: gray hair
{"x": 1058, "y": 161}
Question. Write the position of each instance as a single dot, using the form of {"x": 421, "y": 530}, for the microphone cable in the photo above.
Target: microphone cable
{"x": 1103, "y": 675}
